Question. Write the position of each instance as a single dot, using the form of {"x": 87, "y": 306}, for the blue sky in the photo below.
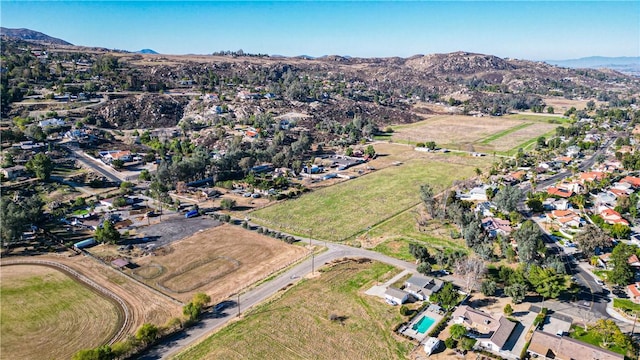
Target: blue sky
{"x": 519, "y": 29}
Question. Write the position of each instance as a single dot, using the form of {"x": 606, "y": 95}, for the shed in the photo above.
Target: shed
{"x": 120, "y": 263}
{"x": 85, "y": 243}
{"x": 431, "y": 345}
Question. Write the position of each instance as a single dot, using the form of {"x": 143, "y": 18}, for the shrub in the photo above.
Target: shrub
{"x": 508, "y": 310}
{"x": 404, "y": 310}
{"x": 450, "y": 343}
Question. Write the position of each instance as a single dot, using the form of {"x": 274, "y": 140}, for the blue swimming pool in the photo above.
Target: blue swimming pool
{"x": 423, "y": 325}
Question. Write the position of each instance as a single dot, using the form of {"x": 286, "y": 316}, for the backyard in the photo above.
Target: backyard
{"x": 287, "y": 328}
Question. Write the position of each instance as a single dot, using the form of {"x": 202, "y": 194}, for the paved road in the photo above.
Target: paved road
{"x": 261, "y": 293}
{"x": 97, "y": 166}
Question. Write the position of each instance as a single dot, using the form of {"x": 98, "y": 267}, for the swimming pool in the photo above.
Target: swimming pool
{"x": 423, "y": 325}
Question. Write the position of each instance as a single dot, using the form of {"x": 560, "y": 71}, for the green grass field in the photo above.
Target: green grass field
{"x": 288, "y": 328}
{"x": 541, "y": 118}
{"x": 497, "y": 136}
{"x": 626, "y": 305}
{"x": 52, "y": 313}
{"x": 344, "y": 210}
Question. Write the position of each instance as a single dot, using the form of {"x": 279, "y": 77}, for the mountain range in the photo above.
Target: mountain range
{"x": 31, "y": 35}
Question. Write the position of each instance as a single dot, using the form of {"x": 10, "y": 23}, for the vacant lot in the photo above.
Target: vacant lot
{"x": 48, "y": 315}
{"x": 288, "y": 328}
{"x": 483, "y": 134}
{"x": 219, "y": 261}
{"x": 341, "y": 211}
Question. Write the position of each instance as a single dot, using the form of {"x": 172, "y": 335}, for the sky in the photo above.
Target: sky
{"x": 534, "y": 30}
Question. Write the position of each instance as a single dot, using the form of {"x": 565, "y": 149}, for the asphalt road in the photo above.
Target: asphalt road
{"x": 96, "y": 165}
{"x": 252, "y": 297}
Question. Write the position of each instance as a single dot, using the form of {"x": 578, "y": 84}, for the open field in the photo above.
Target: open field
{"x": 560, "y": 104}
{"x": 393, "y": 236}
{"x": 483, "y": 134}
{"x": 219, "y": 261}
{"x": 288, "y": 328}
{"x": 341, "y": 211}
{"x": 48, "y": 315}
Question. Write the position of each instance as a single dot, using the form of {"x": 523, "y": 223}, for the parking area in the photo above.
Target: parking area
{"x": 173, "y": 229}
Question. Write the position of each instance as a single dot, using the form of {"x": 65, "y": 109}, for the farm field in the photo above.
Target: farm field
{"x": 483, "y": 134}
{"x": 48, "y": 315}
{"x": 393, "y": 236}
{"x": 219, "y": 261}
{"x": 342, "y": 211}
{"x": 287, "y": 328}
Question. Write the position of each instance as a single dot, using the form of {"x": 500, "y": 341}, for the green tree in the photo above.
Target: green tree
{"x": 546, "y": 281}
{"x": 428, "y": 199}
{"x": 107, "y": 233}
{"x": 457, "y": 331}
{"x": 99, "y": 353}
{"x": 508, "y": 310}
{"x": 192, "y": 311}
{"x": 529, "y": 240}
{"x": 227, "y": 204}
{"x": 419, "y": 252}
{"x": 424, "y": 268}
{"x": 41, "y": 165}
{"x": 144, "y": 175}
{"x": 117, "y": 164}
{"x": 507, "y": 198}
{"x": 488, "y": 288}
{"x": 517, "y": 292}
{"x": 535, "y": 205}
{"x": 447, "y": 297}
{"x": 370, "y": 151}
{"x": 349, "y": 151}
{"x": 201, "y": 299}
{"x": 590, "y": 238}
{"x": 607, "y": 329}
{"x": 147, "y": 333}
{"x": 622, "y": 273}
{"x": 15, "y": 217}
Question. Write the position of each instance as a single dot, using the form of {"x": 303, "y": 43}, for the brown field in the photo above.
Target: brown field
{"x": 53, "y": 313}
{"x": 560, "y": 104}
{"x": 510, "y": 141}
{"x": 453, "y": 130}
{"x": 218, "y": 261}
{"x": 145, "y": 305}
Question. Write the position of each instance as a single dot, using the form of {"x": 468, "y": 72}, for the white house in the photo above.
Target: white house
{"x": 478, "y": 193}
{"x": 422, "y": 286}
{"x": 431, "y": 345}
{"x": 494, "y": 332}
{"x": 51, "y": 122}
{"x": 395, "y": 296}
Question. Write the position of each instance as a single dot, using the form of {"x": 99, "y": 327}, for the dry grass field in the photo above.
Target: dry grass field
{"x": 560, "y": 104}
{"x": 46, "y": 314}
{"x": 296, "y": 324}
{"x": 219, "y": 261}
{"x": 452, "y": 131}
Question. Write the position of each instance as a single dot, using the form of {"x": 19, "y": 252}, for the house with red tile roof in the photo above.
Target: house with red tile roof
{"x": 632, "y": 180}
{"x": 611, "y": 216}
{"x": 592, "y": 176}
{"x": 565, "y": 218}
{"x": 634, "y": 292}
{"x": 563, "y": 193}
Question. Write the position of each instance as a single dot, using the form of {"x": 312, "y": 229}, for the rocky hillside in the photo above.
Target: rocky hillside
{"x": 31, "y": 35}
{"x": 142, "y": 111}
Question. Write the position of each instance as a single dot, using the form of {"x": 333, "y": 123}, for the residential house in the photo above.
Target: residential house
{"x": 485, "y": 208}
{"x": 478, "y": 193}
{"x": 624, "y": 186}
{"x": 604, "y": 262}
{"x": 565, "y": 218}
{"x": 631, "y": 180}
{"x": 549, "y": 346}
{"x": 494, "y": 226}
{"x": 494, "y": 332}
{"x": 573, "y": 151}
{"x": 611, "y": 216}
{"x": 566, "y": 160}
{"x": 396, "y": 296}
{"x": 591, "y": 176}
{"x": 605, "y": 198}
{"x": 13, "y": 172}
{"x": 634, "y": 292}
{"x": 119, "y": 155}
{"x": 563, "y": 193}
{"x": 422, "y": 286}
{"x": 555, "y": 204}
{"x": 53, "y": 122}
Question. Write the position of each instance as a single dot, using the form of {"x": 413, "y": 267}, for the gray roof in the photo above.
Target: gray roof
{"x": 501, "y": 335}
{"x": 396, "y": 293}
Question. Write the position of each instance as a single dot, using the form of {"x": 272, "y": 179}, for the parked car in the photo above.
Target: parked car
{"x": 190, "y": 214}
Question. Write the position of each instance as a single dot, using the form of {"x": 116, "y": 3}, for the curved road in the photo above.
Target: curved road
{"x": 210, "y": 322}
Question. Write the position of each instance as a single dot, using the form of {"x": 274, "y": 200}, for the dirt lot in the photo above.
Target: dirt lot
{"x": 448, "y": 130}
{"x": 219, "y": 261}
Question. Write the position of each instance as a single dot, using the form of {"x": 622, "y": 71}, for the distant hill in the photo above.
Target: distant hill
{"x": 624, "y": 64}
{"x": 147, "y": 51}
{"x": 31, "y": 35}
